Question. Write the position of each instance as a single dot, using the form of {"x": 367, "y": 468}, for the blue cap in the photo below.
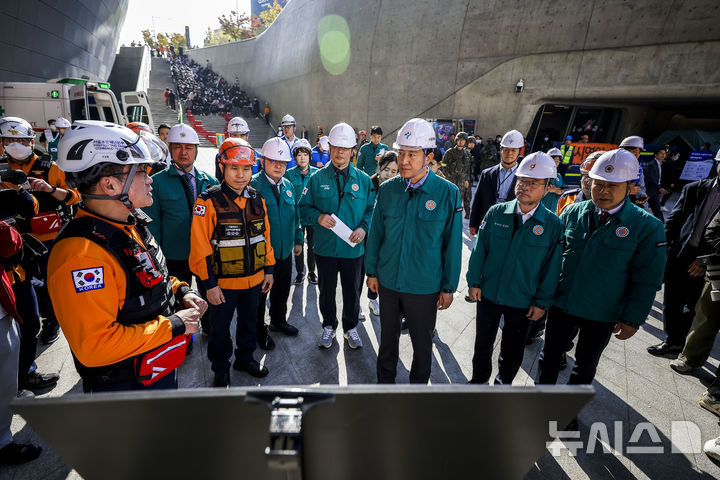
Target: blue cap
{"x": 569, "y": 137}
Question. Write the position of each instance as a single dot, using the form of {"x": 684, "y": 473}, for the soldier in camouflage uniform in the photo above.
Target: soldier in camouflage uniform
{"x": 456, "y": 164}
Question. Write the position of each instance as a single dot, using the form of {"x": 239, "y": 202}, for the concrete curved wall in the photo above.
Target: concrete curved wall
{"x": 44, "y": 39}
{"x": 462, "y": 58}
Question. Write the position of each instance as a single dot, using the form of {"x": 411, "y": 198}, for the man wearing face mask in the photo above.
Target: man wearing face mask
{"x": 175, "y": 191}
{"x": 125, "y": 318}
{"x": 54, "y": 198}
{"x": 48, "y": 134}
{"x": 61, "y": 125}
{"x": 414, "y": 251}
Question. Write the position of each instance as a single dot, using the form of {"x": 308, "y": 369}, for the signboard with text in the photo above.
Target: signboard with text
{"x": 582, "y": 150}
{"x": 698, "y": 166}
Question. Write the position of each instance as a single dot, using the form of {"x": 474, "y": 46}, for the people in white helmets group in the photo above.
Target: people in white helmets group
{"x": 591, "y": 271}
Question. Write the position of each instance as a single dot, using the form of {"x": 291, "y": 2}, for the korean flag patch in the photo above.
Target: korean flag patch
{"x": 199, "y": 210}
{"x": 88, "y": 279}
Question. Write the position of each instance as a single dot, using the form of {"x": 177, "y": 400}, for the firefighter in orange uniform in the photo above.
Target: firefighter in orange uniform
{"x": 48, "y": 186}
{"x": 230, "y": 252}
{"x": 126, "y": 320}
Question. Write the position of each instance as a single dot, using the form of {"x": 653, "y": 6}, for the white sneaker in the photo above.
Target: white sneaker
{"x": 680, "y": 366}
{"x": 709, "y": 403}
{"x": 361, "y": 315}
{"x": 712, "y": 448}
{"x": 327, "y": 337}
{"x": 353, "y": 338}
{"x": 375, "y": 308}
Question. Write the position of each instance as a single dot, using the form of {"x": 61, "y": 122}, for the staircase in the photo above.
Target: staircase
{"x": 205, "y": 125}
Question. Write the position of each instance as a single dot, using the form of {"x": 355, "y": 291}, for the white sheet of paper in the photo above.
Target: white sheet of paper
{"x": 342, "y": 230}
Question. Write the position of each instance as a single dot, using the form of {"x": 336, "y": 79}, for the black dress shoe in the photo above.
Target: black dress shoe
{"x": 312, "y": 278}
{"x": 283, "y": 327}
{"x": 252, "y": 367}
{"x": 39, "y": 381}
{"x": 264, "y": 340}
{"x": 50, "y": 332}
{"x": 222, "y": 380}
{"x": 664, "y": 348}
{"x": 16, "y": 453}
{"x": 299, "y": 279}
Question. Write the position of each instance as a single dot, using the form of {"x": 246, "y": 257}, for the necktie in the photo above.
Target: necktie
{"x": 604, "y": 217}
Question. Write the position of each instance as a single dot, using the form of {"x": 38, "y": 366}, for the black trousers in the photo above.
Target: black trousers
{"x": 27, "y": 307}
{"x": 220, "y": 345}
{"x": 279, "y": 293}
{"x": 654, "y": 201}
{"x": 593, "y": 338}
{"x": 420, "y": 312}
{"x": 349, "y": 270}
{"x": 299, "y": 264}
{"x": 180, "y": 269}
{"x": 43, "y": 296}
{"x": 681, "y": 289}
{"x": 512, "y": 345}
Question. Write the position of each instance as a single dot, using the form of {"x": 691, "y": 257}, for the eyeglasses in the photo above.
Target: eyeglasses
{"x": 530, "y": 183}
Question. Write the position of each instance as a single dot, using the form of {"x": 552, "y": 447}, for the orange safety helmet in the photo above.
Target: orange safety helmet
{"x": 138, "y": 127}
{"x": 236, "y": 151}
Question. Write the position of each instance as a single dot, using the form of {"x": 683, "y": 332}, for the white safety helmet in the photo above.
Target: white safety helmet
{"x": 416, "y": 134}
{"x": 238, "y": 125}
{"x": 587, "y": 164}
{"x": 512, "y": 139}
{"x": 342, "y": 135}
{"x": 89, "y": 145}
{"x": 633, "y": 142}
{"x": 287, "y": 120}
{"x": 159, "y": 151}
{"x": 276, "y": 149}
{"x": 16, "y": 127}
{"x": 302, "y": 143}
{"x": 555, "y": 152}
{"x": 324, "y": 142}
{"x": 182, "y": 133}
{"x": 616, "y": 166}
{"x": 537, "y": 165}
{"x": 62, "y": 123}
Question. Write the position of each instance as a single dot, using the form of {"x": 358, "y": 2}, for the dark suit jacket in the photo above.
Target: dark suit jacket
{"x": 651, "y": 171}
{"x": 680, "y": 225}
{"x": 486, "y": 194}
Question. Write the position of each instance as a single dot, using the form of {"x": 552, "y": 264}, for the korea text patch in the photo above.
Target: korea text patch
{"x": 88, "y": 279}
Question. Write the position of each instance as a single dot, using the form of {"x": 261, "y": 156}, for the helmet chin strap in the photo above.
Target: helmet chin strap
{"x": 426, "y": 162}
{"x": 123, "y": 196}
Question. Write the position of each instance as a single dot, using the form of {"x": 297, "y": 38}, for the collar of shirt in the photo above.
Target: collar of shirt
{"x": 420, "y": 182}
{"x": 611, "y": 212}
{"x": 528, "y": 215}
{"x": 190, "y": 174}
{"x": 510, "y": 171}
{"x": 277, "y": 184}
{"x": 344, "y": 172}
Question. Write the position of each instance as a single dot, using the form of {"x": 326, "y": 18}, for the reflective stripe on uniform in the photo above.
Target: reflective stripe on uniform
{"x": 237, "y": 243}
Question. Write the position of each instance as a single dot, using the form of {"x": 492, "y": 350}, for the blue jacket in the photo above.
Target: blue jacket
{"x": 319, "y": 159}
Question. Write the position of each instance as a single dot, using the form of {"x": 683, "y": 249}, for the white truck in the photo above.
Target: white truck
{"x": 73, "y": 99}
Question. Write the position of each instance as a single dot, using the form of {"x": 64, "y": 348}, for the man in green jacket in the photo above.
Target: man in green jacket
{"x": 414, "y": 251}
{"x": 519, "y": 245}
{"x": 175, "y": 190}
{"x": 613, "y": 263}
{"x": 339, "y": 196}
{"x": 299, "y": 176}
{"x": 285, "y": 237}
{"x": 370, "y": 153}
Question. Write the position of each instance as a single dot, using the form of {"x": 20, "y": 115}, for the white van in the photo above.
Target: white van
{"x": 73, "y": 99}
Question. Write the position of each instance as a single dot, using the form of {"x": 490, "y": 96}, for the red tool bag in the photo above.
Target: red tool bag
{"x": 47, "y": 222}
{"x": 155, "y": 364}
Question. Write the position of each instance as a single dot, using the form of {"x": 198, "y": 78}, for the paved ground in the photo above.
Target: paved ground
{"x": 632, "y": 387}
